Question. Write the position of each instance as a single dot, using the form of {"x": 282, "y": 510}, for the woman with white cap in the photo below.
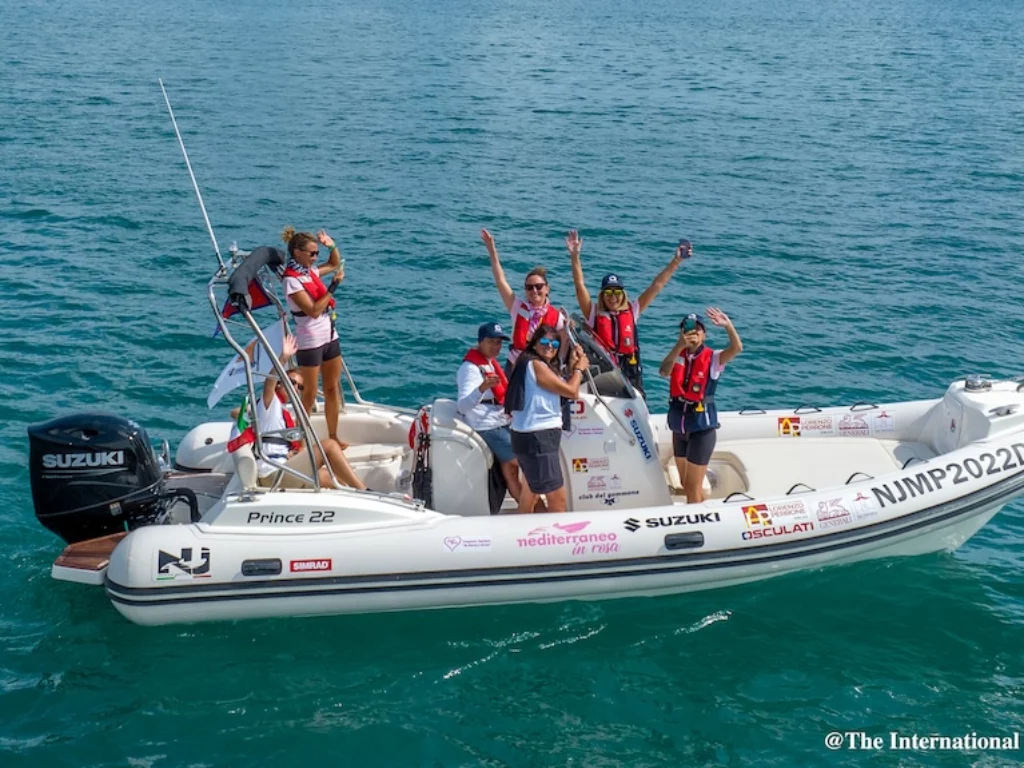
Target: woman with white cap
{"x": 614, "y": 316}
{"x": 693, "y": 370}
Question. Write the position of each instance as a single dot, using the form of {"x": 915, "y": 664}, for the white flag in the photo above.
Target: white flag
{"x": 233, "y": 375}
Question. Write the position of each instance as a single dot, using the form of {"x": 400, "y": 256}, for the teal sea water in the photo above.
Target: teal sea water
{"x": 852, "y": 176}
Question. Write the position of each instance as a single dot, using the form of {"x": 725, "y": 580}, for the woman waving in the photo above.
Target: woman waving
{"x": 614, "y": 316}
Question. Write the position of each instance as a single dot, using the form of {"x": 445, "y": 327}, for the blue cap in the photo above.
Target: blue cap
{"x": 611, "y": 281}
{"x": 691, "y": 321}
{"x": 491, "y": 331}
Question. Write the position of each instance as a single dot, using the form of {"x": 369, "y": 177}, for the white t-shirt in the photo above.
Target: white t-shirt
{"x": 543, "y": 407}
{"x": 271, "y": 419}
{"x": 479, "y": 415}
{"x": 310, "y": 332}
{"x": 523, "y": 307}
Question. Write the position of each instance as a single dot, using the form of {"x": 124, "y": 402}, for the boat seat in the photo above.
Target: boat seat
{"x": 370, "y": 452}
{"x": 902, "y": 452}
{"x": 772, "y": 466}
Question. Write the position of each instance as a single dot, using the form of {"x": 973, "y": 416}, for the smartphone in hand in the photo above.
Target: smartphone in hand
{"x": 686, "y": 248}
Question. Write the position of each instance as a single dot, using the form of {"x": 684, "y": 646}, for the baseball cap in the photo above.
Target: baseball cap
{"x": 491, "y": 331}
{"x": 691, "y": 321}
{"x": 611, "y": 281}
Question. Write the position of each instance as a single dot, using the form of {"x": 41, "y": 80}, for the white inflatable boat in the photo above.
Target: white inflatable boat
{"x": 787, "y": 490}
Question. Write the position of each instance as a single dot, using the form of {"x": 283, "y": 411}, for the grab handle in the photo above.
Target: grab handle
{"x": 865, "y": 475}
{"x": 799, "y": 485}
{"x": 807, "y": 409}
{"x": 688, "y": 540}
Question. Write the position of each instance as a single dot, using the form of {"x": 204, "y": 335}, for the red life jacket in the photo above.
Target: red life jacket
{"x": 691, "y": 376}
{"x": 249, "y": 435}
{"x": 617, "y": 330}
{"x": 311, "y": 282}
{"x": 476, "y": 357}
{"x": 521, "y": 328}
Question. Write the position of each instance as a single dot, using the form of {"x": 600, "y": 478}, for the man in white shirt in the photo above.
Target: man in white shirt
{"x": 482, "y": 384}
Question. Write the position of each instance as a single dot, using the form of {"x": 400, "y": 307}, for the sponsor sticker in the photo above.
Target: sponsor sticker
{"x": 789, "y": 426}
{"x": 853, "y": 425}
{"x": 601, "y": 462}
{"x": 597, "y": 483}
{"x": 632, "y": 525}
{"x": 788, "y": 511}
{"x": 467, "y": 543}
{"x": 614, "y": 482}
{"x": 756, "y": 516}
{"x": 305, "y": 566}
{"x": 187, "y": 563}
{"x": 776, "y": 531}
{"x": 864, "y": 507}
{"x": 638, "y": 433}
{"x": 883, "y": 423}
{"x": 832, "y": 514}
{"x": 579, "y": 465}
{"x": 817, "y": 426}
{"x": 570, "y": 538}
{"x": 577, "y": 409}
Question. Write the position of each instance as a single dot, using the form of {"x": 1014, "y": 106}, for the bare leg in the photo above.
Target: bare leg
{"x": 693, "y": 485}
{"x": 510, "y": 471}
{"x": 556, "y": 500}
{"x": 342, "y": 469}
{"x": 309, "y": 376}
{"x": 527, "y": 498}
{"x": 331, "y": 374}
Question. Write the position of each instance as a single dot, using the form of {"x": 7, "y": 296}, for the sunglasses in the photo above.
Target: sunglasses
{"x": 535, "y": 286}
{"x": 546, "y": 342}
{"x": 314, "y": 251}
{"x": 613, "y": 291}
{"x": 298, "y": 387}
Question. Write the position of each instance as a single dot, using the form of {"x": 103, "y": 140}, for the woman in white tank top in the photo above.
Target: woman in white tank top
{"x": 534, "y": 401}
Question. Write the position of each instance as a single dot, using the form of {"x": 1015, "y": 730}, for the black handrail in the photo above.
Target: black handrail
{"x": 810, "y": 409}
{"x": 861, "y": 405}
{"x": 749, "y": 411}
{"x": 797, "y": 485}
{"x": 912, "y": 458}
{"x": 737, "y": 493}
{"x": 862, "y": 474}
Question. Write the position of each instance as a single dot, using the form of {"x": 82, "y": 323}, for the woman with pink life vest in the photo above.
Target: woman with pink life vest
{"x": 271, "y": 416}
{"x": 693, "y": 370}
{"x": 312, "y": 305}
{"x": 526, "y": 312}
{"x": 614, "y": 316}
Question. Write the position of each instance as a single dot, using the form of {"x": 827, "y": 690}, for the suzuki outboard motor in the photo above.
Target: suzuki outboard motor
{"x": 94, "y": 474}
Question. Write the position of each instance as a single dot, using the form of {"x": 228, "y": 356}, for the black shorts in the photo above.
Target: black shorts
{"x": 314, "y": 358}
{"x": 537, "y": 453}
{"x": 695, "y": 447}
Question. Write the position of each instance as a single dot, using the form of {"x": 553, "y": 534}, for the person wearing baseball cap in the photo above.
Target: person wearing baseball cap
{"x": 481, "y": 401}
{"x": 614, "y": 316}
{"x": 693, "y": 370}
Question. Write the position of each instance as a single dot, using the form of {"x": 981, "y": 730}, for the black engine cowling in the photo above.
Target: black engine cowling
{"x": 93, "y": 474}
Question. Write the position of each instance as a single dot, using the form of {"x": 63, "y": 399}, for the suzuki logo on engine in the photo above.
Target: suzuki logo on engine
{"x": 83, "y": 460}
{"x": 173, "y": 566}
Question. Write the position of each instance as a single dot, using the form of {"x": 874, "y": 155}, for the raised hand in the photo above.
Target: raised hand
{"x": 718, "y": 317}
{"x": 488, "y": 239}
{"x": 574, "y": 243}
{"x": 288, "y": 348}
{"x": 325, "y": 239}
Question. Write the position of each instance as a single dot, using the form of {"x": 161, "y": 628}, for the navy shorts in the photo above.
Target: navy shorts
{"x": 499, "y": 440}
{"x": 314, "y": 358}
{"x": 537, "y": 453}
{"x": 695, "y": 447}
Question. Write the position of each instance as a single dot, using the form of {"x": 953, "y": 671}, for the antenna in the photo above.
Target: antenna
{"x": 195, "y": 186}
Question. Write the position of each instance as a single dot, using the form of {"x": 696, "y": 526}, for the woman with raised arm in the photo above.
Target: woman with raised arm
{"x": 693, "y": 370}
{"x": 534, "y": 400}
{"x": 312, "y": 305}
{"x": 614, "y": 316}
{"x": 526, "y": 313}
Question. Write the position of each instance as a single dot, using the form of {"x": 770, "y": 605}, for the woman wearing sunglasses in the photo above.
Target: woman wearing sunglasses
{"x": 614, "y": 316}
{"x": 312, "y": 305}
{"x": 534, "y": 400}
{"x": 525, "y": 312}
{"x": 693, "y": 370}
